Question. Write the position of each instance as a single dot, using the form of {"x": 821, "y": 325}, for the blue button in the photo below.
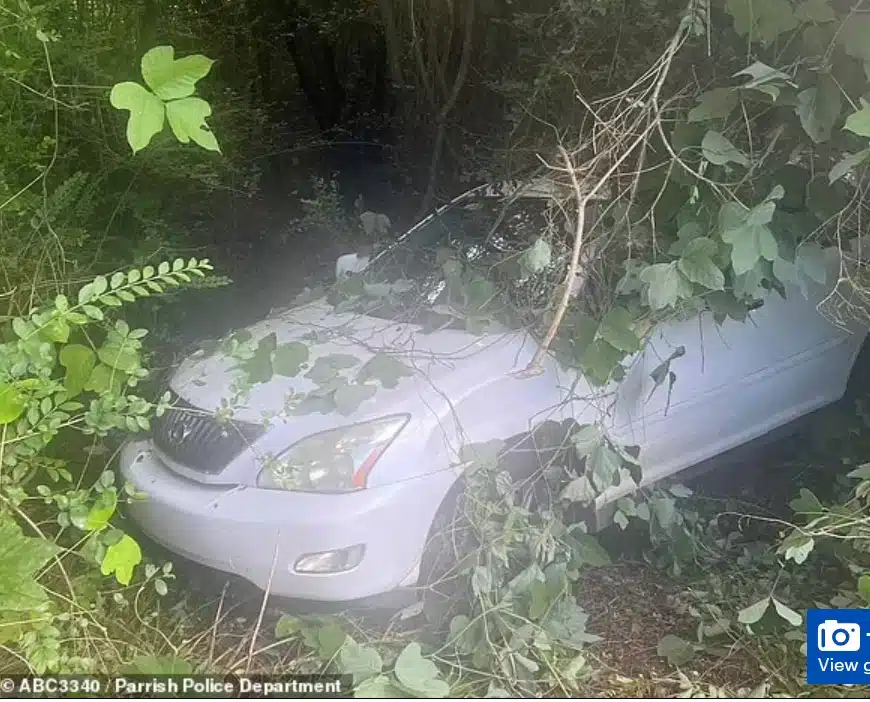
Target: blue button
{"x": 838, "y": 646}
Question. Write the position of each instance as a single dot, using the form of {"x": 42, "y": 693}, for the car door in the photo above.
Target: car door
{"x": 735, "y": 381}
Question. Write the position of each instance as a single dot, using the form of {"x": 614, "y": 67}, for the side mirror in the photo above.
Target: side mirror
{"x": 349, "y": 264}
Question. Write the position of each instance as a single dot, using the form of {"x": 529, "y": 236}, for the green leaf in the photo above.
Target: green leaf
{"x": 419, "y": 675}
{"x": 811, "y": 261}
{"x": 362, "y": 662}
{"x": 169, "y": 78}
{"x": 787, "y": 613}
{"x": 847, "y": 164}
{"x": 102, "y": 511}
{"x": 859, "y": 122}
{"x": 56, "y": 330}
{"x": 798, "y": 547}
{"x": 119, "y": 357}
{"x": 603, "y": 465}
{"x": 697, "y": 264}
{"x": 863, "y": 587}
{"x": 665, "y": 284}
{"x": 600, "y": 361}
{"x": 12, "y": 403}
{"x": 747, "y": 232}
{"x": 79, "y": 362}
{"x": 579, "y": 490}
{"x": 817, "y": 11}
{"x": 676, "y": 650}
{"x": 762, "y": 20}
{"x": 187, "y": 119}
{"x": 378, "y": 687}
{"x": 819, "y": 109}
{"x": 287, "y": 626}
{"x": 287, "y": 359}
{"x": 806, "y": 503}
{"x": 586, "y": 439}
{"x": 146, "y": 114}
{"x": 616, "y": 330}
{"x": 385, "y": 369}
{"x": 714, "y": 104}
{"x": 754, "y": 612}
{"x": 537, "y": 257}
{"x": 566, "y": 622}
{"x": 853, "y": 36}
{"x": 105, "y": 380}
{"x": 350, "y": 396}
{"x": 121, "y": 558}
{"x": 590, "y": 552}
{"x": 764, "y": 78}
{"x": 718, "y": 150}
{"x": 21, "y": 557}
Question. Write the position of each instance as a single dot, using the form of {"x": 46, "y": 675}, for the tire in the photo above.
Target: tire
{"x": 452, "y": 542}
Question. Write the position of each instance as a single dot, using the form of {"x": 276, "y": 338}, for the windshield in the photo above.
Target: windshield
{"x": 477, "y": 242}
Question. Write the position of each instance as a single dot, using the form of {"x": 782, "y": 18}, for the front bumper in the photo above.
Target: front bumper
{"x": 260, "y": 534}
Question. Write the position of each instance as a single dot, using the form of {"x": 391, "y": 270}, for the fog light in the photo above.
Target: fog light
{"x": 336, "y": 561}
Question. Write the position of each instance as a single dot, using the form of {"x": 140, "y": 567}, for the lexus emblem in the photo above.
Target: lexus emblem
{"x": 179, "y": 432}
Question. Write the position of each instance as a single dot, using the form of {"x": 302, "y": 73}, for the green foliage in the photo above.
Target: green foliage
{"x": 23, "y": 558}
{"x": 172, "y": 82}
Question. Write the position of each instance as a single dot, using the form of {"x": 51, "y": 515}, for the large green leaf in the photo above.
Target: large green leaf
{"x": 762, "y": 20}
{"x": 819, "y": 109}
{"x": 599, "y": 362}
{"x": 118, "y": 356}
{"x": 349, "y": 397}
{"x": 748, "y": 233}
{"x": 79, "y": 362}
{"x": 385, "y": 369}
{"x": 811, "y": 261}
{"x": 102, "y": 511}
{"x": 187, "y": 119}
{"x": 698, "y": 266}
{"x": 566, "y": 622}
{"x": 12, "y": 403}
{"x": 853, "y": 36}
{"x": 617, "y": 330}
{"x": 287, "y": 359}
{"x": 146, "y": 113}
{"x": 678, "y": 651}
{"x": 753, "y": 612}
{"x": 859, "y": 122}
{"x": 169, "y": 78}
{"x": 419, "y": 675}
{"x": 816, "y": 11}
{"x": 714, "y": 104}
{"x": 718, "y": 150}
{"x": 764, "y": 78}
{"x": 121, "y": 558}
{"x": 362, "y": 662}
{"x": 21, "y": 557}
{"x": 666, "y": 284}
{"x": 105, "y": 380}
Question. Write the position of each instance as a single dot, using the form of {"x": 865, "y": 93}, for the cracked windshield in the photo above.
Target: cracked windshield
{"x": 435, "y": 349}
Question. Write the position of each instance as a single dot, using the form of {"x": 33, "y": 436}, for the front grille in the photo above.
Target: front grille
{"x": 195, "y": 439}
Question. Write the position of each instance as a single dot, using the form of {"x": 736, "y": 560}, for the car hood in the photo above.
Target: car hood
{"x": 205, "y": 380}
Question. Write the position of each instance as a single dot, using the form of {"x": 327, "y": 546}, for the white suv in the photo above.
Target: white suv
{"x": 370, "y": 471}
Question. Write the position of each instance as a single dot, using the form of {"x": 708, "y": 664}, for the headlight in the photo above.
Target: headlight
{"x": 338, "y": 460}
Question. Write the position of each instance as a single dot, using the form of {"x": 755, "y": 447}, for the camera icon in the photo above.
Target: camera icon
{"x": 839, "y": 636}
